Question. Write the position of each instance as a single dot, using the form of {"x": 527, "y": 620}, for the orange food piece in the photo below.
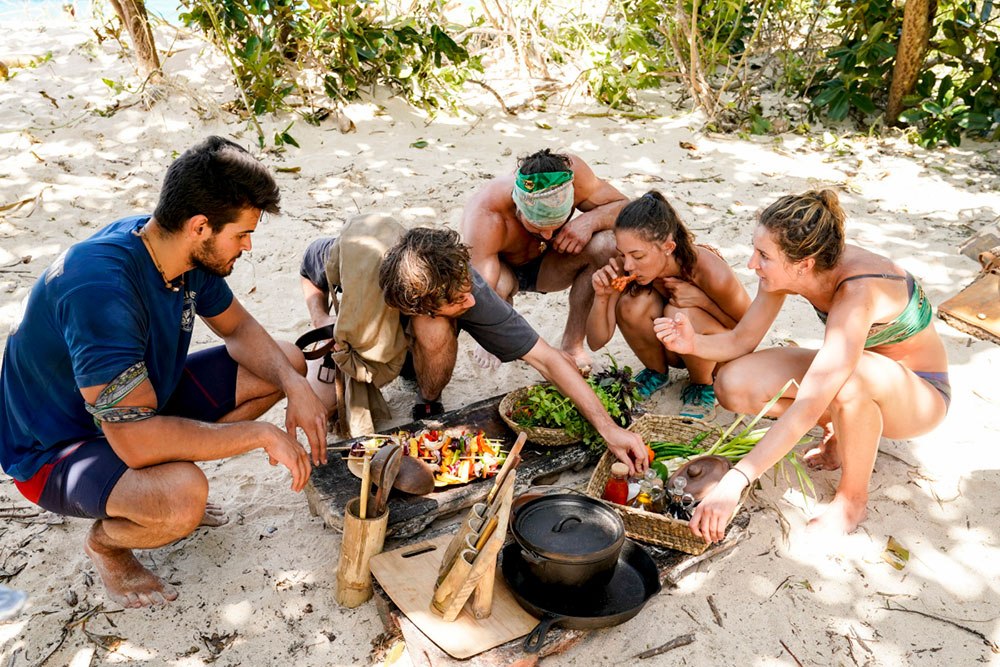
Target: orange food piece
{"x": 621, "y": 282}
{"x": 651, "y": 453}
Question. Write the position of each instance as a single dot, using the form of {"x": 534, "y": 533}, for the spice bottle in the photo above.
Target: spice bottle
{"x": 616, "y": 490}
{"x": 644, "y": 500}
{"x": 659, "y": 497}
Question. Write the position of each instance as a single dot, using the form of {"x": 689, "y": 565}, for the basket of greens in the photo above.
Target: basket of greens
{"x": 673, "y": 441}
{"x": 550, "y": 419}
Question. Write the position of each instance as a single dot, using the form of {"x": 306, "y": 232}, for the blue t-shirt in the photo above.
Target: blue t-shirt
{"x": 97, "y": 310}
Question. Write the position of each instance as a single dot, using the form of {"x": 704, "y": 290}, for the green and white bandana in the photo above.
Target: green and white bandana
{"x": 544, "y": 199}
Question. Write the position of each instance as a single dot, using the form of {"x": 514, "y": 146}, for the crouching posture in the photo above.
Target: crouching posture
{"x": 102, "y": 410}
{"x": 881, "y": 371}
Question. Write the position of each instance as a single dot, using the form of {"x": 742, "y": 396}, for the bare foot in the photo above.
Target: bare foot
{"x": 128, "y": 583}
{"x": 826, "y": 456}
{"x": 841, "y": 517}
{"x": 485, "y": 359}
{"x": 214, "y": 516}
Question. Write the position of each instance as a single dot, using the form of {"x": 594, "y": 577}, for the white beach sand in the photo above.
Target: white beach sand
{"x": 259, "y": 591}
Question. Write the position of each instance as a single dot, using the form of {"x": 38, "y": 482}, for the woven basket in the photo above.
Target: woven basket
{"x": 659, "y": 529}
{"x": 540, "y": 435}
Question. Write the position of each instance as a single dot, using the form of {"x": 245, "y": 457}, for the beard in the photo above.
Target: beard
{"x": 208, "y": 258}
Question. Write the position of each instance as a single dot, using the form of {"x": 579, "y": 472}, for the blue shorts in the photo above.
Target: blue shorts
{"x": 81, "y": 477}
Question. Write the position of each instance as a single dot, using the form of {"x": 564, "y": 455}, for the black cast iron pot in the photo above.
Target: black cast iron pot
{"x": 569, "y": 539}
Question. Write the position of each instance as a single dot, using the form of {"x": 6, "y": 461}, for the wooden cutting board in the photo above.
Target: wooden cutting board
{"x": 976, "y": 309}
{"x": 407, "y": 576}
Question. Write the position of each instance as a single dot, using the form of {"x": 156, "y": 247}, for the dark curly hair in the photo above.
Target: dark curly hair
{"x": 653, "y": 218}
{"x": 543, "y": 161}
{"x": 807, "y": 225}
{"x": 217, "y": 179}
{"x": 427, "y": 269}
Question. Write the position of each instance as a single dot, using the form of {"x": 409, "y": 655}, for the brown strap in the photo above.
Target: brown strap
{"x": 990, "y": 259}
{"x": 315, "y": 336}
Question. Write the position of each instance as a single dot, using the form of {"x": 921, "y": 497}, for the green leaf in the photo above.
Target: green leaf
{"x": 419, "y": 143}
{"x": 828, "y": 94}
{"x": 863, "y": 103}
{"x": 839, "y": 107}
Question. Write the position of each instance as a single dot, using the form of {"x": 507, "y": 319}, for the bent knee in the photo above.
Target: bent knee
{"x": 734, "y": 388}
{"x": 601, "y": 248}
{"x": 187, "y": 489}
{"x": 294, "y": 356}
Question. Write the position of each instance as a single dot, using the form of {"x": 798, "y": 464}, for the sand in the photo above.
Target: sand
{"x": 259, "y": 591}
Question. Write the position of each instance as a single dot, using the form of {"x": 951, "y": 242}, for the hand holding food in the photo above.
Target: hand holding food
{"x": 603, "y": 279}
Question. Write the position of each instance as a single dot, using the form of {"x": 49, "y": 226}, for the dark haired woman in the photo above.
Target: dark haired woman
{"x": 881, "y": 370}
{"x": 671, "y": 275}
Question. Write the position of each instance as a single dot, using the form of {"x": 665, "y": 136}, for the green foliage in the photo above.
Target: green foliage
{"x": 545, "y": 406}
{"x": 633, "y": 47}
{"x": 281, "y": 48}
{"x": 861, "y": 64}
{"x": 958, "y": 91}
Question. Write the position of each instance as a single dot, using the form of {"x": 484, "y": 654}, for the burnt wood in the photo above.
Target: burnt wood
{"x": 332, "y": 486}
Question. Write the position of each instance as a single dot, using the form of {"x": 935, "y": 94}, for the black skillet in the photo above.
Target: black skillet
{"x": 580, "y": 608}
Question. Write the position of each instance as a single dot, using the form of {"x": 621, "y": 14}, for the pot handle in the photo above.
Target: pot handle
{"x": 562, "y": 524}
{"x": 531, "y": 557}
{"x": 536, "y": 638}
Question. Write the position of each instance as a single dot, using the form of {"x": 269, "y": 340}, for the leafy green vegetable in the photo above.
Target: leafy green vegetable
{"x": 545, "y": 405}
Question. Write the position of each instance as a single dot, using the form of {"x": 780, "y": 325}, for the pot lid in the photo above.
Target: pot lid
{"x": 701, "y": 475}
{"x": 569, "y": 527}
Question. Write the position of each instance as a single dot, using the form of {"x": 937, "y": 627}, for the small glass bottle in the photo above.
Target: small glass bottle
{"x": 644, "y": 500}
{"x": 659, "y": 497}
{"x": 616, "y": 489}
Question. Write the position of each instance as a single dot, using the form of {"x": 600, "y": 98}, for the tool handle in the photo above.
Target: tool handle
{"x": 513, "y": 458}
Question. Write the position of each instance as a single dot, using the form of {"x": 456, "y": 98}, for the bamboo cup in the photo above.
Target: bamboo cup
{"x": 362, "y": 539}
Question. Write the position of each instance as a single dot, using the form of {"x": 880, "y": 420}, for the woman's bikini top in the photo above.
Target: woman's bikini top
{"x": 916, "y": 316}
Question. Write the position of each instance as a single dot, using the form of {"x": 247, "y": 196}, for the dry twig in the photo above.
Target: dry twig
{"x": 986, "y": 640}
{"x": 676, "y": 642}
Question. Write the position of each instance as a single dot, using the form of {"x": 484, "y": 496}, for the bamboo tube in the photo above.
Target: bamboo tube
{"x": 362, "y": 539}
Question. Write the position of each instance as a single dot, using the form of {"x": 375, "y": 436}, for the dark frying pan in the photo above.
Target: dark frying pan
{"x": 582, "y": 608}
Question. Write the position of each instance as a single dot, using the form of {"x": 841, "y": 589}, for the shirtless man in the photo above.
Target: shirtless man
{"x": 522, "y": 237}
{"x": 103, "y": 413}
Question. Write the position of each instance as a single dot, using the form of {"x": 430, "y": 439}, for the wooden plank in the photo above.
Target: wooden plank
{"x": 332, "y": 486}
{"x": 976, "y": 309}
{"x": 672, "y": 566}
{"x": 407, "y": 576}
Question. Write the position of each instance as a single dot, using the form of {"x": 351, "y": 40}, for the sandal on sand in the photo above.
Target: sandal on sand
{"x": 649, "y": 382}
{"x": 699, "y": 401}
{"x": 426, "y": 409}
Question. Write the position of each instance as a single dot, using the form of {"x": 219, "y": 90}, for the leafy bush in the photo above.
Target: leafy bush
{"x": 283, "y": 48}
{"x": 958, "y": 90}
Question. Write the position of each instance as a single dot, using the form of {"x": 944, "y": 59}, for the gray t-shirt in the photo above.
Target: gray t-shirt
{"x": 313, "y": 267}
{"x": 495, "y": 325}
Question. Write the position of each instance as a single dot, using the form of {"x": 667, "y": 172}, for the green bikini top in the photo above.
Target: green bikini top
{"x": 916, "y": 316}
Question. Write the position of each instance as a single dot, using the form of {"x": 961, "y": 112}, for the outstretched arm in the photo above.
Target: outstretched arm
{"x": 836, "y": 360}
{"x": 677, "y": 334}
{"x": 557, "y": 369}
{"x": 160, "y": 439}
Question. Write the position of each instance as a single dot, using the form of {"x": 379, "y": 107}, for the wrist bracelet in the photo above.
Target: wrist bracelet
{"x": 745, "y": 476}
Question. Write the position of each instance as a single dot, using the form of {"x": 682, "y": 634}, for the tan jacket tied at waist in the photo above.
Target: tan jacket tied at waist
{"x": 371, "y": 341}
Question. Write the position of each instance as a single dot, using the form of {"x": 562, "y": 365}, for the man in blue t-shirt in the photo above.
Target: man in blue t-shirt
{"x": 427, "y": 276}
{"x": 102, "y": 410}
